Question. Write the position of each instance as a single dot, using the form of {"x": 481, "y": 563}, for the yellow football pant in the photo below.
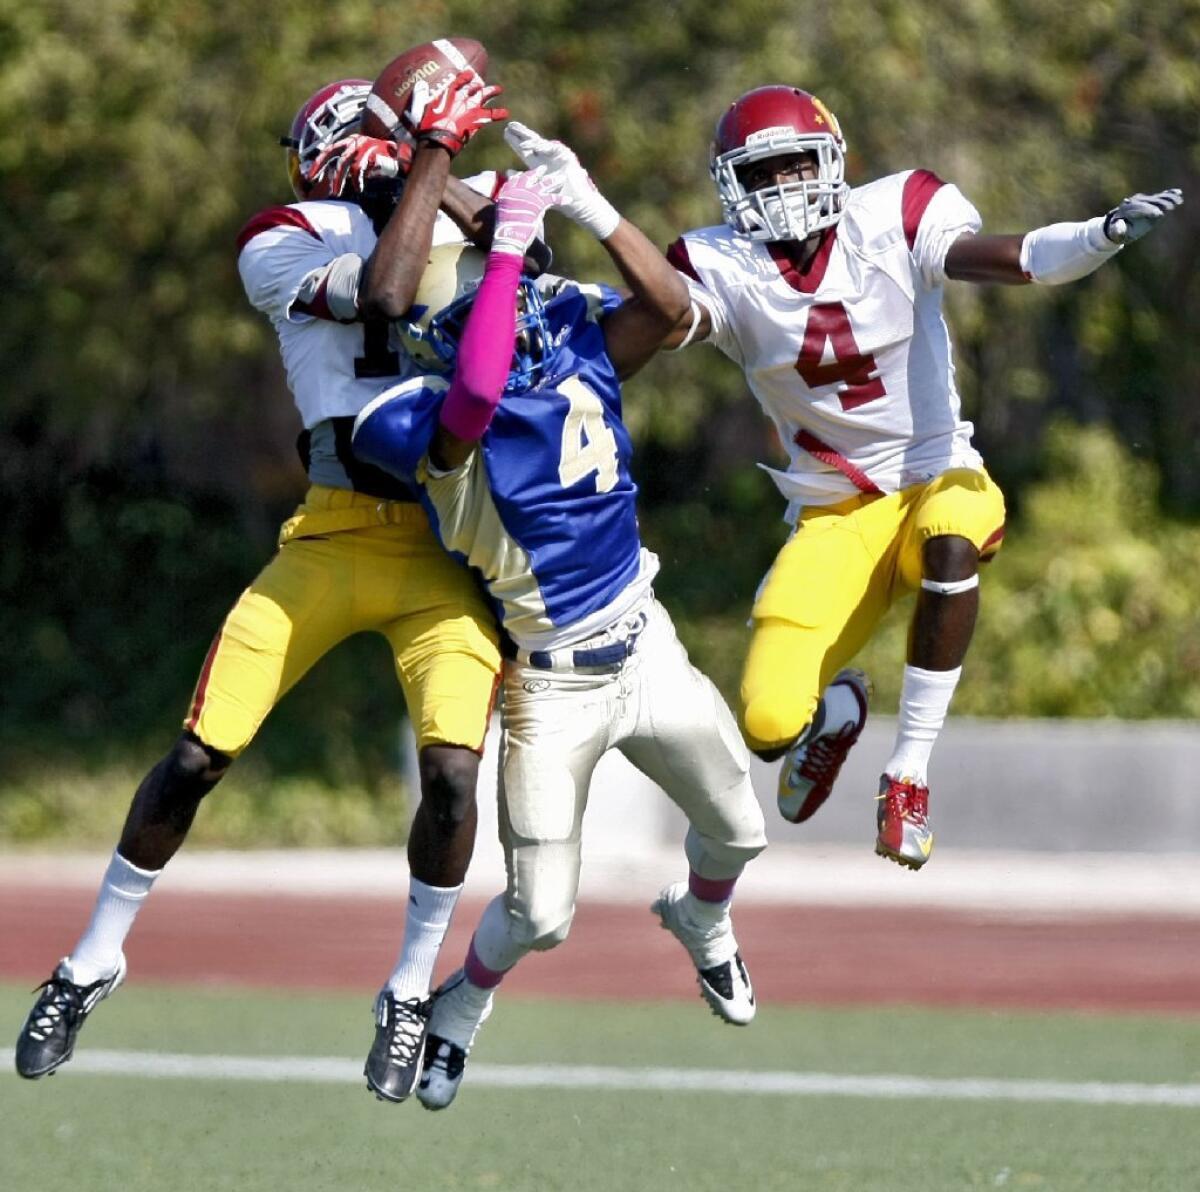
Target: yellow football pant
{"x": 834, "y": 579}
{"x": 347, "y": 563}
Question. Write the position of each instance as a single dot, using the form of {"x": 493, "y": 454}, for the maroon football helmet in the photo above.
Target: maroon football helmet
{"x": 772, "y": 122}
{"x": 327, "y": 116}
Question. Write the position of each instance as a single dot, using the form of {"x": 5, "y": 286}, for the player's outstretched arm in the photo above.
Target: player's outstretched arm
{"x": 486, "y": 349}
{"x": 1061, "y": 252}
{"x": 440, "y": 126}
{"x": 659, "y": 301}
{"x": 658, "y": 304}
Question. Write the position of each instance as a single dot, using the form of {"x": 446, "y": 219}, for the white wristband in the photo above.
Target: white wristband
{"x": 1065, "y": 252}
{"x": 599, "y": 216}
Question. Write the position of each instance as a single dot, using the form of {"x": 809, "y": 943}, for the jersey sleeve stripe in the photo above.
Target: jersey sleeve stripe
{"x": 678, "y": 256}
{"x": 827, "y": 455}
{"x": 274, "y": 217}
{"x": 919, "y": 187}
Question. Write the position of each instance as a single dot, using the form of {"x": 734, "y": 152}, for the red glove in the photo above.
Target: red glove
{"x": 357, "y": 158}
{"x": 452, "y": 116}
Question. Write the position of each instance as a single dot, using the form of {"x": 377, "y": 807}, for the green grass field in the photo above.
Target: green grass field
{"x": 90, "y": 1132}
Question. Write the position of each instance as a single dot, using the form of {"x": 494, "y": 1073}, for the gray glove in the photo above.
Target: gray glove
{"x": 1133, "y": 217}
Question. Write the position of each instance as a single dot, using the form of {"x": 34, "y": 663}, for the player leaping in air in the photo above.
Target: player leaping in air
{"x": 330, "y": 271}
{"x": 523, "y": 462}
{"x": 830, "y": 299}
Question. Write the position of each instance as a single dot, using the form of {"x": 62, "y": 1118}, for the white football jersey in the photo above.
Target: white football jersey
{"x": 850, "y": 358}
{"x": 333, "y": 368}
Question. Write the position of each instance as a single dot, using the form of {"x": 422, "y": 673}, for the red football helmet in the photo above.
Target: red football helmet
{"x": 772, "y": 122}
{"x": 327, "y": 116}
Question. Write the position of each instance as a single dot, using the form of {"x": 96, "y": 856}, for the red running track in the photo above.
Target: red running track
{"x": 797, "y": 954}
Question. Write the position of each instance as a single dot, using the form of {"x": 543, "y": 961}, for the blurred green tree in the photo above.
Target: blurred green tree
{"x": 146, "y": 431}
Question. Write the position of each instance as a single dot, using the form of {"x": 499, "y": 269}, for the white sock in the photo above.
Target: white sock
{"x": 122, "y": 893}
{"x": 924, "y": 701}
{"x": 493, "y": 940}
{"x": 430, "y": 909}
{"x": 702, "y": 913}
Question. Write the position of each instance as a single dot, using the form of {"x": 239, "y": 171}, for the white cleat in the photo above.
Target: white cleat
{"x": 459, "y": 1010}
{"x": 720, "y": 971}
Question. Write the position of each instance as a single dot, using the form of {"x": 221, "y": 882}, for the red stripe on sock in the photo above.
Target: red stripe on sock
{"x": 709, "y": 889}
{"x": 478, "y": 973}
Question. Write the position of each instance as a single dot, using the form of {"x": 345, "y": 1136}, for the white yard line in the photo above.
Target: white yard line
{"x": 330, "y": 1070}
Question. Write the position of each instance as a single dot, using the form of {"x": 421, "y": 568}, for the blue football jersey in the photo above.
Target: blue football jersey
{"x": 545, "y": 508}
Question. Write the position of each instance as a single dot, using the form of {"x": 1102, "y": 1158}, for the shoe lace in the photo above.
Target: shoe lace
{"x": 61, "y": 1001}
{"x": 408, "y": 1026}
{"x": 907, "y": 801}
{"x": 823, "y": 758}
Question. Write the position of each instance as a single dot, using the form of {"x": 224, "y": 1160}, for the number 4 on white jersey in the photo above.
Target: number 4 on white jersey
{"x": 588, "y": 445}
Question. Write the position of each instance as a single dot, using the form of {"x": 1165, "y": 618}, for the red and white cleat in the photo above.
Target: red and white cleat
{"x": 903, "y": 819}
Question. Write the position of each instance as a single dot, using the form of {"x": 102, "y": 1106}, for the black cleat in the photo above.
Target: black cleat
{"x": 47, "y": 1040}
{"x": 394, "y": 1062}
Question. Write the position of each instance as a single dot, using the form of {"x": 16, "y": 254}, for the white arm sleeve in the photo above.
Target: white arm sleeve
{"x": 1065, "y": 252}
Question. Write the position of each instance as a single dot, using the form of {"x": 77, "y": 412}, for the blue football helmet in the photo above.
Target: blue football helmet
{"x": 433, "y": 326}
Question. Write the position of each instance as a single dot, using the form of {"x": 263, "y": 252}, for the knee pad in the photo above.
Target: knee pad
{"x": 545, "y": 940}
{"x": 539, "y": 928}
{"x": 719, "y": 859}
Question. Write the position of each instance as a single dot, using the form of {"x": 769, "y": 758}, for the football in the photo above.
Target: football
{"x": 436, "y": 62}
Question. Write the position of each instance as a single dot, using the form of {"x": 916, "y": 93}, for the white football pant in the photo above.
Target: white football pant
{"x": 668, "y": 720}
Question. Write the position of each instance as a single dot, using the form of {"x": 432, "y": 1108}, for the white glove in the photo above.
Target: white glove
{"x": 520, "y": 206}
{"x": 1133, "y": 217}
{"x": 581, "y": 201}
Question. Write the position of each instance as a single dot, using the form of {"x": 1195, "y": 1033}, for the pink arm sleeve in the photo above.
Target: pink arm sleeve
{"x": 485, "y": 353}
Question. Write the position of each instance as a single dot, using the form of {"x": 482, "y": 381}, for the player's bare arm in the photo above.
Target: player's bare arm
{"x": 985, "y": 259}
{"x": 659, "y": 301}
{"x": 392, "y": 272}
{"x": 694, "y": 327}
{"x": 473, "y": 212}
{"x": 659, "y": 298}
{"x": 441, "y": 126}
